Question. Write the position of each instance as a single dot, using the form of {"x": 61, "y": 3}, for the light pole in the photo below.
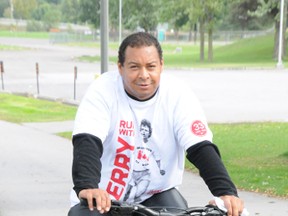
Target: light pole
{"x": 280, "y": 64}
{"x": 120, "y": 21}
{"x": 104, "y": 35}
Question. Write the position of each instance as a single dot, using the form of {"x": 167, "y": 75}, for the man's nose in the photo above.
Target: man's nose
{"x": 144, "y": 74}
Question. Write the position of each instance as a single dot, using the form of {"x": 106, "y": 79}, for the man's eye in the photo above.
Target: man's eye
{"x": 133, "y": 67}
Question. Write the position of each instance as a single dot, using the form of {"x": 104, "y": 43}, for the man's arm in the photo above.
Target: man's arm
{"x": 86, "y": 168}
{"x": 86, "y": 171}
{"x": 206, "y": 157}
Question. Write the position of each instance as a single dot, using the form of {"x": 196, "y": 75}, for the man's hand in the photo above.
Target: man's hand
{"x": 103, "y": 201}
{"x": 233, "y": 204}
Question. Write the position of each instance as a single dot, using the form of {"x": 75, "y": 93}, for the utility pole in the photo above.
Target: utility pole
{"x": 280, "y": 44}
{"x": 120, "y": 21}
{"x": 104, "y": 35}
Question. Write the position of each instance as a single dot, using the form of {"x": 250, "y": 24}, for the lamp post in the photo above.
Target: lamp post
{"x": 104, "y": 35}
{"x": 280, "y": 64}
{"x": 120, "y": 21}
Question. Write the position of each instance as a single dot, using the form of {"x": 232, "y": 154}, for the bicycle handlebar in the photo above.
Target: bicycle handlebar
{"x": 119, "y": 208}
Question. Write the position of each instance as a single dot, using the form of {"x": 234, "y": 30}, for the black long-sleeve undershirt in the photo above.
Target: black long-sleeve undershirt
{"x": 206, "y": 157}
{"x": 86, "y": 167}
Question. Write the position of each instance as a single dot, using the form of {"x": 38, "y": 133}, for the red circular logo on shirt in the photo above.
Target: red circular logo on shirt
{"x": 198, "y": 128}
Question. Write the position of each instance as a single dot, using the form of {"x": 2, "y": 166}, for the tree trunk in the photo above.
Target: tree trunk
{"x": 190, "y": 33}
{"x": 210, "y": 45}
{"x": 202, "y": 39}
{"x": 276, "y": 40}
{"x": 195, "y": 33}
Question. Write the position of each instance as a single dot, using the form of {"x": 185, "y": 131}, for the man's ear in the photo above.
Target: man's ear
{"x": 162, "y": 64}
{"x": 120, "y": 68}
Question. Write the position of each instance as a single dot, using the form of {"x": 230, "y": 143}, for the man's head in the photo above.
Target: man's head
{"x": 140, "y": 64}
{"x": 139, "y": 39}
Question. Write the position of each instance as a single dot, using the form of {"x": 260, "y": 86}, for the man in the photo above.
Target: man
{"x": 107, "y": 134}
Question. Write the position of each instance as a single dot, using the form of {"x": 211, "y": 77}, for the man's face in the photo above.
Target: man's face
{"x": 141, "y": 71}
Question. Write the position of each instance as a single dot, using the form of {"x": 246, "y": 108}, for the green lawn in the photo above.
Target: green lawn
{"x": 251, "y": 52}
{"x": 256, "y": 155}
{"x": 24, "y": 34}
{"x": 12, "y": 48}
{"x": 15, "y": 108}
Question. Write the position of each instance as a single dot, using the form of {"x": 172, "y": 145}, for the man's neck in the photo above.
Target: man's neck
{"x": 137, "y": 99}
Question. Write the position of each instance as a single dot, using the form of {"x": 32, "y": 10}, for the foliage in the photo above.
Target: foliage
{"x": 89, "y": 12}
{"x": 143, "y": 14}
{"x": 48, "y": 14}
{"x": 35, "y": 26}
{"x": 174, "y": 13}
{"x": 24, "y": 8}
{"x": 70, "y": 9}
{"x": 3, "y": 5}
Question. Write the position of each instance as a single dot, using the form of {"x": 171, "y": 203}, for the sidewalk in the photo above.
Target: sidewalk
{"x": 36, "y": 174}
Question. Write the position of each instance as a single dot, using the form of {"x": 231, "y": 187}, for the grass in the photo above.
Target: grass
{"x": 66, "y": 135}
{"x": 24, "y": 34}
{"x": 255, "y": 154}
{"x": 251, "y": 52}
{"x": 18, "y": 109}
{"x": 10, "y": 48}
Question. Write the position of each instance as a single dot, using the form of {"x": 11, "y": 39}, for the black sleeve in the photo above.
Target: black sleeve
{"x": 206, "y": 157}
{"x": 86, "y": 167}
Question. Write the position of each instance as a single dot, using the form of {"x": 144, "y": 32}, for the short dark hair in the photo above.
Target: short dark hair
{"x": 138, "y": 39}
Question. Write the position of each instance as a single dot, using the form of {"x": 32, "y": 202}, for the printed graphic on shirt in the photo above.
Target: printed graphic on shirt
{"x": 198, "y": 128}
{"x": 145, "y": 154}
{"x": 120, "y": 172}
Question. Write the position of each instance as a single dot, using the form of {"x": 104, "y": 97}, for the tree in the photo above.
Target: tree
{"x": 4, "y": 4}
{"x": 23, "y": 8}
{"x": 212, "y": 15}
{"x": 49, "y": 14}
{"x": 139, "y": 13}
{"x": 174, "y": 14}
{"x": 69, "y": 9}
{"x": 272, "y": 8}
{"x": 89, "y": 12}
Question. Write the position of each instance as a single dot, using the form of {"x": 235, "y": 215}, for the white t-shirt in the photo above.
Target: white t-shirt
{"x": 131, "y": 165}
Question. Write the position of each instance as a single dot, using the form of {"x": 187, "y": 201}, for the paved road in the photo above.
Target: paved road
{"x": 35, "y": 164}
{"x": 226, "y": 95}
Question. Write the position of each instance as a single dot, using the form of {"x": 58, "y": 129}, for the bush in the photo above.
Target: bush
{"x": 35, "y": 26}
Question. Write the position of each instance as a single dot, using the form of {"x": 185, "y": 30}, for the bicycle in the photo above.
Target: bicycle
{"x": 119, "y": 208}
